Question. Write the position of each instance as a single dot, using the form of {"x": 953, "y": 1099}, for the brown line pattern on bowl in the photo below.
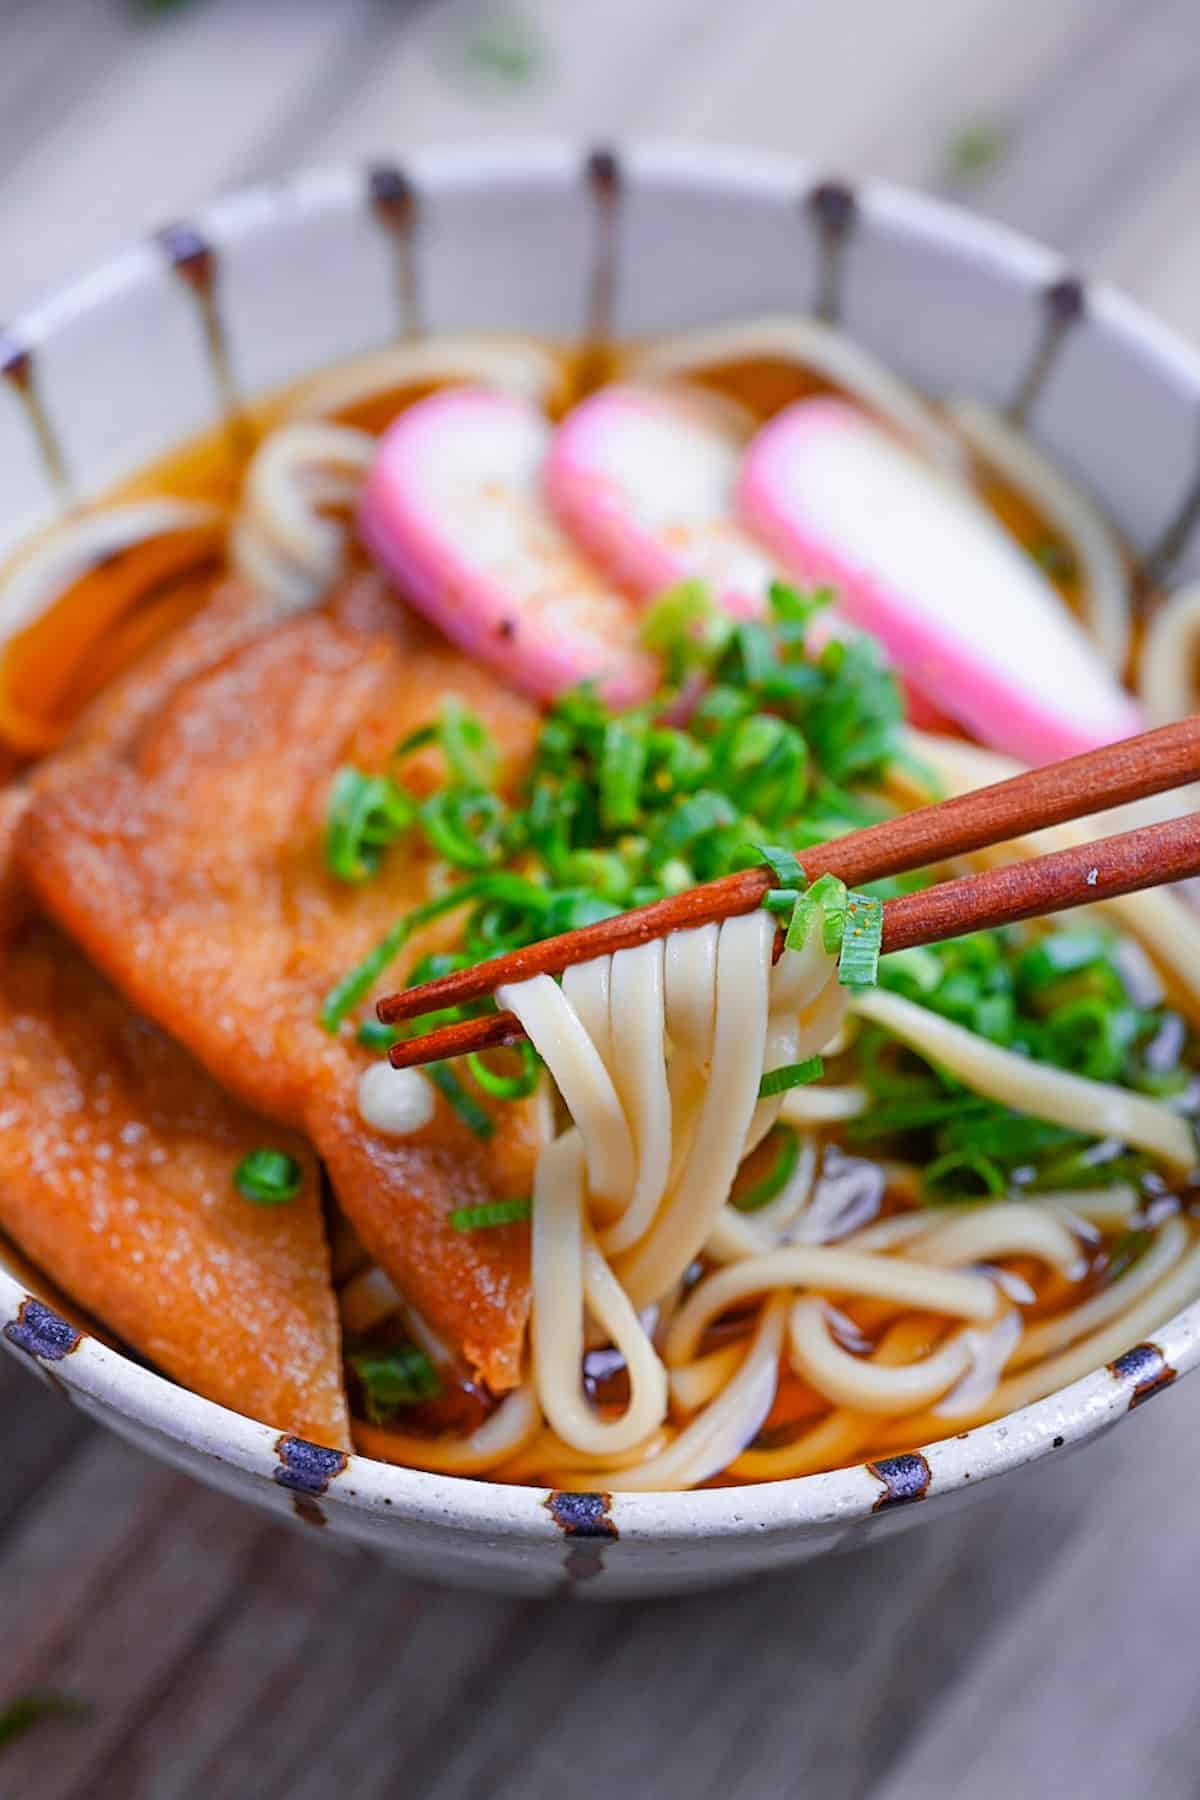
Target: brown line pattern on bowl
{"x": 833, "y": 206}
{"x": 18, "y": 370}
{"x": 605, "y": 181}
{"x": 194, "y": 260}
{"x": 1064, "y": 303}
{"x": 1148, "y": 1369}
{"x": 585, "y": 1520}
{"x": 905, "y": 1479}
{"x": 394, "y": 203}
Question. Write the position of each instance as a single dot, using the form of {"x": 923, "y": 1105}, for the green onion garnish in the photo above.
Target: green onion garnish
{"x": 785, "y": 867}
{"x": 451, "y": 1088}
{"x": 826, "y": 900}
{"x": 464, "y": 826}
{"x": 29, "y": 1710}
{"x": 509, "y": 1087}
{"x": 777, "y": 1177}
{"x": 467, "y": 746}
{"x": 777, "y": 1081}
{"x": 495, "y": 1212}
{"x": 372, "y": 1034}
{"x": 963, "y": 1175}
{"x": 858, "y": 965}
{"x": 394, "y": 1378}
{"x": 366, "y": 813}
{"x": 623, "y": 760}
{"x": 344, "y": 996}
{"x": 268, "y": 1177}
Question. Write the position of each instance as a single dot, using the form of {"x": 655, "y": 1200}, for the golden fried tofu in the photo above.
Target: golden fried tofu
{"x": 117, "y": 1155}
{"x": 191, "y": 869}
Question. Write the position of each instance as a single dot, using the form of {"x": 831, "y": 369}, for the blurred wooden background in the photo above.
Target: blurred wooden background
{"x": 1042, "y": 1644}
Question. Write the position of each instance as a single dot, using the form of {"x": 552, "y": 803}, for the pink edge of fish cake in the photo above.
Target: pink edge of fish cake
{"x": 452, "y": 510}
{"x": 643, "y": 479}
{"x": 839, "y": 501}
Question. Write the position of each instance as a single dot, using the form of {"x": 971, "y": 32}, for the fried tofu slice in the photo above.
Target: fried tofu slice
{"x": 191, "y": 869}
{"x": 117, "y": 1155}
{"x": 231, "y": 615}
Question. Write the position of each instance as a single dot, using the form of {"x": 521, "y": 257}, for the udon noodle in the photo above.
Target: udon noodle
{"x": 980, "y": 1192}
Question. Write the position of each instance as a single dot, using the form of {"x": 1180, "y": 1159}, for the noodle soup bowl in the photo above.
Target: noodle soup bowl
{"x": 168, "y": 339}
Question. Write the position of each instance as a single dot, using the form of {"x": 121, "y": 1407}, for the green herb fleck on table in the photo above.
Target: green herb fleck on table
{"x": 975, "y": 150}
{"x": 28, "y": 1711}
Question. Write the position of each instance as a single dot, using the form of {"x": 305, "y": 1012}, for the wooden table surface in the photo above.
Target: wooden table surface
{"x": 1049, "y": 1648}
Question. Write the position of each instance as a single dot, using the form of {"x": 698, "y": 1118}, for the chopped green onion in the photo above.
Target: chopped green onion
{"x": 702, "y": 812}
{"x": 394, "y": 1378}
{"x": 467, "y": 746}
{"x": 858, "y": 965}
{"x": 962, "y": 1174}
{"x": 1091, "y": 1038}
{"x": 764, "y": 766}
{"x": 686, "y": 627}
{"x": 777, "y": 1081}
{"x": 777, "y": 1177}
{"x": 366, "y": 813}
{"x": 268, "y": 1177}
{"x": 782, "y": 901}
{"x": 508, "y": 1087}
{"x": 464, "y": 825}
{"x": 785, "y": 867}
{"x": 29, "y": 1710}
{"x": 373, "y": 1034}
{"x": 916, "y": 972}
{"x": 571, "y": 911}
{"x": 827, "y": 899}
{"x": 345, "y": 995}
{"x": 793, "y": 610}
{"x": 495, "y": 1212}
{"x": 419, "y": 739}
{"x": 622, "y": 766}
{"x": 451, "y": 1089}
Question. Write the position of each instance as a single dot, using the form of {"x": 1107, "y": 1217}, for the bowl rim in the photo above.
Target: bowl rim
{"x": 114, "y": 1385}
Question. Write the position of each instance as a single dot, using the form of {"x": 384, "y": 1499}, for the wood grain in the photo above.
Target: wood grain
{"x": 1041, "y": 1642}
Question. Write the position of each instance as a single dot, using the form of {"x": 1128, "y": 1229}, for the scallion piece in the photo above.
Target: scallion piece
{"x": 366, "y": 813}
{"x": 495, "y": 1212}
{"x": 777, "y": 1081}
{"x": 373, "y": 1034}
{"x": 777, "y": 1177}
{"x": 30, "y": 1710}
{"x": 963, "y": 1175}
{"x": 825, "y": 900}
{"x": 783, "y": 864}
{"x": 394, "y": 1378}
{"x": 464, "y": 826}
{"x": 782, "y": 901}
{"x": 622, "y": 766}
{"x": 467, "y": 746}
{"x": 858, "y": 965}
{"x": 268, "y": 1177}
{"x": 345, "y": 995}
{"x": 508, "y": 1087}
{"x": 452, "y": 1090}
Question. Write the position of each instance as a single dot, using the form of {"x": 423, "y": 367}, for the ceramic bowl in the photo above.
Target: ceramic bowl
{"x": 266, "y": 287}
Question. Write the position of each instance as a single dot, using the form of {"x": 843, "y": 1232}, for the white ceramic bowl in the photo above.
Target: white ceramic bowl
{"x": 263, "y": 288}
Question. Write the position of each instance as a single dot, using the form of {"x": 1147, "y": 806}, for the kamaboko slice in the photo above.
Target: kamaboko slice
{"x": 453, "y": 511}
{"x": 644, "y": 480}
{"x": 960, "y": 608}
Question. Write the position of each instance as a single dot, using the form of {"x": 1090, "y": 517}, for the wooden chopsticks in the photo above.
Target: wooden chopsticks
{"x": 1149, "y": 764}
